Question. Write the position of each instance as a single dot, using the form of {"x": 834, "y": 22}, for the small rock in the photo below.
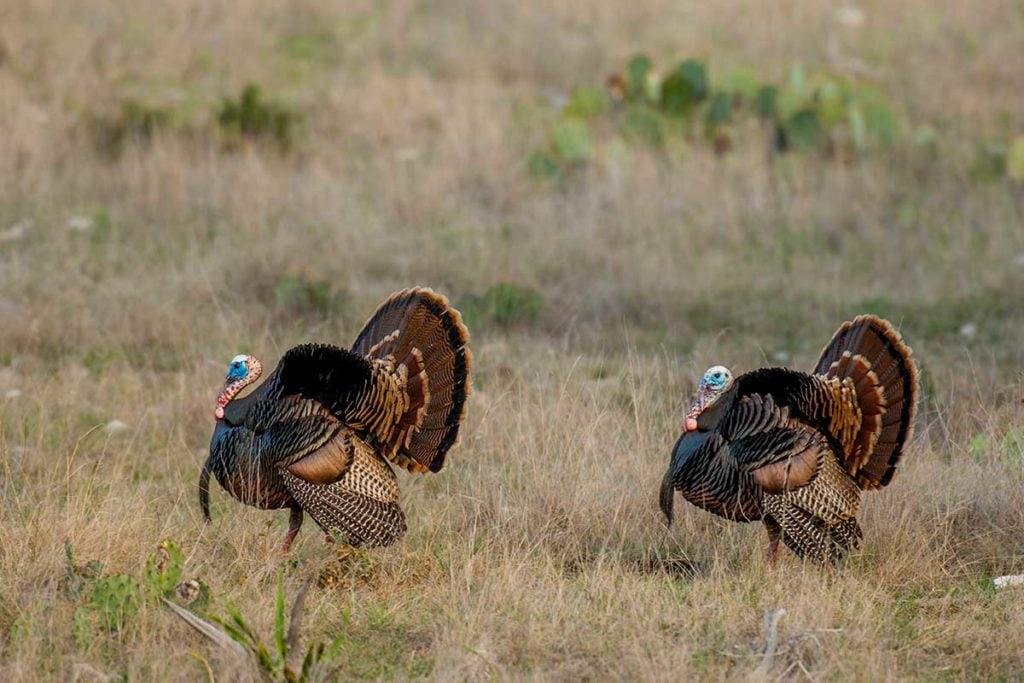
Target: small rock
{"x": 780, "y": 357}
{"x": 968, "y": 330}
{"x": 12, "y": 394}
{"x": 850, "y": 16}
{"x": 115, "y": 426}
{"x": 1008, "y": 581}
{"x": 407, "y": 154}
{"x": 16, "y": 231}
{"x": 556, "y": 99}
{"x": 1019, "y": 260}
{"x": 80, "y": 224}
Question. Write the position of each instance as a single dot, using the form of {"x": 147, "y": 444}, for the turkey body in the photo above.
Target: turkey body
{"x": 795, "y": 450}
{"x": 318, "y": 434}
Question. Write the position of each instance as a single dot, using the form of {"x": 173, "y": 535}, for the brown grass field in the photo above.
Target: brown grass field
{"x": 129, "y": 279}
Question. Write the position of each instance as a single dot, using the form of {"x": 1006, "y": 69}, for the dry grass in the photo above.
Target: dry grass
{"x": 539, "y": 552}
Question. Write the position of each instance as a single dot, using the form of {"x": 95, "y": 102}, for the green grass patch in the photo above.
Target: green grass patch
{"x": 505, "y": 304}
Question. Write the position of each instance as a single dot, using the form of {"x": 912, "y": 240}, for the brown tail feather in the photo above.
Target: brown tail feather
{"x": 871, "y": 354}
{"x": 420, "y": 330}
{"x": 204, "y": 490}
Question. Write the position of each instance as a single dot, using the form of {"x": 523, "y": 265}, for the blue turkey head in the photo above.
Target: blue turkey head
{"x": 242, "y": 371}
{"x": 715, "y": 382}
{"x": 238, "y": 369}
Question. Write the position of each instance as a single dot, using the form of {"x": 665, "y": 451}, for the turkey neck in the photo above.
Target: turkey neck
{"x": 713, "y": 414}
{"x": 237, "y": 407}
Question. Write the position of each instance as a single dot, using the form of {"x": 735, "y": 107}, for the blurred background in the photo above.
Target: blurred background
{"x": 585, "y": 169}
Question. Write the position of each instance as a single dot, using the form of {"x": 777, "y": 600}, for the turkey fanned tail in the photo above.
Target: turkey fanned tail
{"x": 870, "y": 354}
{"x": 418, "y": 338}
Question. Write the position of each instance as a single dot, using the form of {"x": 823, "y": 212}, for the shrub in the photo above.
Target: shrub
{"x": 996, "y": 159}
{"x": 302, "y": 296}
{"x": 136, "y": 123}
{"x": 504, "y": 304}
{"x": 254, "y": 118}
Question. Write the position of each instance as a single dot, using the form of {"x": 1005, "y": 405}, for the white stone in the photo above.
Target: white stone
{"x": 115, "y": 426}
{"x": 850, "y": 15}
{"x": 16, "y": 231}
{"x": 80, "y": 224}
{"x": 1008, "y": 581}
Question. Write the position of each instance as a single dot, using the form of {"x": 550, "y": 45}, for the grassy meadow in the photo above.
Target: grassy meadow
{"x": 144, "y": 242}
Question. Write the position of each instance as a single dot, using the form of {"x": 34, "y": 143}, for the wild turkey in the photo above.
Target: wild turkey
{"x": 315, "y": 437}
{"x": 795, "y": 450}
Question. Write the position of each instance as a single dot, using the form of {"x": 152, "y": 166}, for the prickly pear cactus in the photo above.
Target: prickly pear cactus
{"x": 115, "y": 600}
{"x": 163, "y": 570}
{"x": 77, "y": 579}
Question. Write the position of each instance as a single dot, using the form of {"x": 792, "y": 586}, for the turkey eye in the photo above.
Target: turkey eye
{"x": 717, "y": 375}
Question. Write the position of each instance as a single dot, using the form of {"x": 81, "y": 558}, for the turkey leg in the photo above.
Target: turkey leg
{"x": 294, "y": 524}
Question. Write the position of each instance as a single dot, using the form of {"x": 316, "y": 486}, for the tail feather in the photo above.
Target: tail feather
{"x": 872, "y": 355}
{"x": 204, "y": 490}
{"x": 418, "y": 328}
{"x": 666, "y": 496}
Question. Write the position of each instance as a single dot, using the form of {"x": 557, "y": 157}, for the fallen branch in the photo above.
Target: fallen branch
{"x": 206, "y": 628}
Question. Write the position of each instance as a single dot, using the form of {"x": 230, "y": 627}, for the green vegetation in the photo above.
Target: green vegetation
{"x": 1000, "y": 158}
{"x": 252, "y": 117}
{"x": 135, "y": 123}
{"x": 503, "y": 304}
{"x": 112, "y": 602}
{"x": 274, "y": 659}
{"x": 829, "y": 114}
{"x": 299, "y": 295}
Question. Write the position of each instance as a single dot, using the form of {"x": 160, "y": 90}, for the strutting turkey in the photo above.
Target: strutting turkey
{"x": 316, "y": 436}
{"x": 795, "y": 450}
